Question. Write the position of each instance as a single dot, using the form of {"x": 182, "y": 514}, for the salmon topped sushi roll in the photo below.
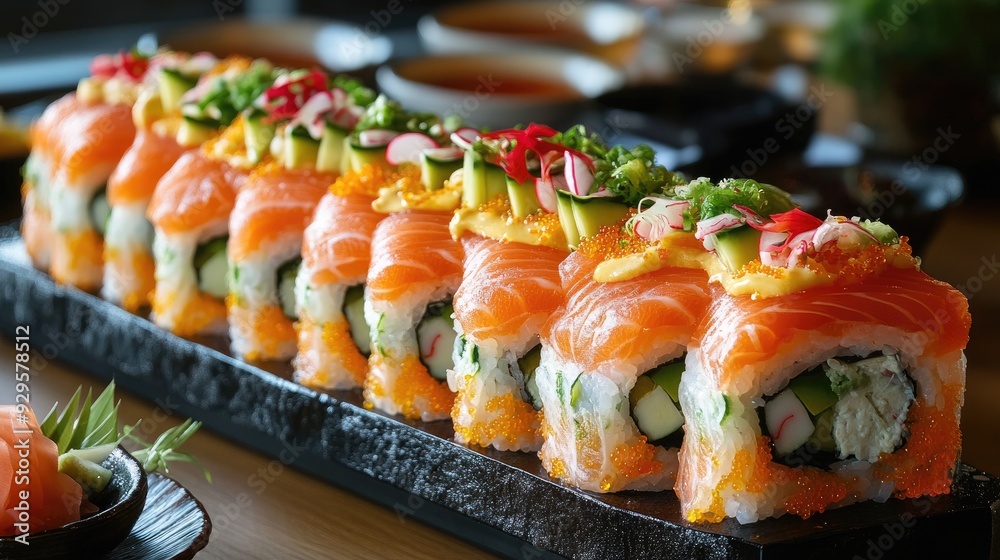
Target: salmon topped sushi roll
{"x": 828, "y": 369}
{"x": 128, "y": 245}
{"x": 416, "y": 265}
{"x": 513, "y": 243}
{"x": 192, "y": 203}
{"x": 36, "y": 226}
{"x": 333, "y": 338}
{"x": 89, "y": 143}
{"x": 307, "y": 116}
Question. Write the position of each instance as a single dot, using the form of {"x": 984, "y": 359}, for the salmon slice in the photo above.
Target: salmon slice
{"x": 54, "y": 498}
{"x": 275, "y": 201}
{"x": 746, "y": 330}
{"x": 91, "y": 141}
{"x": 145, "y": 162}
{"x": 620, "y": 321}
{"x": 196, "y": 191}
{"x": 46, "y": 131}
{"x": 507, "y": 288}
{"x": 337, "y": 244}
{"x": 413, "y": 253}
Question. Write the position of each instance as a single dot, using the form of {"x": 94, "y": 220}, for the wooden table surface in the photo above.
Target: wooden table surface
{"x": 292, "y": 515}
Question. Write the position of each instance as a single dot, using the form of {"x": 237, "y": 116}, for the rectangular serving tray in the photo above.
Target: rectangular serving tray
{"x": 501, "y": 501}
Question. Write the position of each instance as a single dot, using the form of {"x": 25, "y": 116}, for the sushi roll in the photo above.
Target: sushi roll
{"x": 416, "y": 266}
{"x": 128, "y": 246}
{"x": 304, "y": 115}
{"x": 829, "y": 370}
{"x": 44, "y": 136}
{"x": 513, "y": 245}
{"x": 612, "y": 354}
{"x": 90, "y": 141}
{"x": 192, "y": 202}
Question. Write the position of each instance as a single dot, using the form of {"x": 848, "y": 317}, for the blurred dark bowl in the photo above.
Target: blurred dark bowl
{"x": 120, "y": 503}
{"x": 726, "y": 119}
{"x": 911, "y": 199}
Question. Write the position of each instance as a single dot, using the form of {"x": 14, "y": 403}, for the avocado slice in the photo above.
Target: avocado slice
{"x": 523, "y": 200}
{"x": 286, "y": 287}
{"x": 481, "y": 180}
{"x": 591, "y": 213}
{"x": 434, "y": 171}
{"x": 195, "y": 132}
{"x": 301, "y": 149}
{"x": 258, "y": 137}
{"x": 564, "y": 207}
{"x": 737, "y": 247}
{"x": 354, "y": 312}
{"x": 361, "y": 155}
{"x": 814, "y": 390}
{"x": 668, "y": 376}
{"x": 331, "y": 148}
{"x": 212, "y": 267}
{"x": 576, "y": 391}
{"x": 528, "y": 364}
{"x": 173, "y": 86}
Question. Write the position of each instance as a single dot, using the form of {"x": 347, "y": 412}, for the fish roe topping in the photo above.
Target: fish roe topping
{"x": 635, "y": 460}
{"x": 415, "y": 392}
{"x": 267, "y": 326}
{"x": 408, "y": 191}
{"x": 613, "y": 242}
{"x": 366, "y": 181}
{"x": 511, "y": 419}
{"x": 924, "y": 466}
{"x": 337, "y": 338}
{"x": 230, "y": 146}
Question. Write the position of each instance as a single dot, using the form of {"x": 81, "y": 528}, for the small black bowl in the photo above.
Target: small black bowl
{"x": 120, "y": 505}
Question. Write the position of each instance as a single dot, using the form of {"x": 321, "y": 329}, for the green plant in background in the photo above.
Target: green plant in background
{"x": 873, "y": 39}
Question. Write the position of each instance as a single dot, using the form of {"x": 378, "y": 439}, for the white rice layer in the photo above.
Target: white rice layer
{"x": 129, "y": 234}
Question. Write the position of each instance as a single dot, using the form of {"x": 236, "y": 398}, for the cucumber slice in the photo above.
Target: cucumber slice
{"x": 436, "y": 338}
{"x": 591, "y": 213}
{"x": 737, "y": 247}
{"x": 173, "y": 86}
{"x": 655, "y": 413}
{"x": 212, "y": 266}
{"x": 301, "y": 150}
{"x": 258, "y": 137}
{"x": 435, "y": 171}
{"x": 528, "y": 364}
{"x": 523, "y": 200}
{"x": 576, "y": 391}
{"x": 361, "y": 155}
{"x": 567, "y": 220}
{"x": 286, "y": 287}
{"x": 93, "y": 478}
{"x": 788, "y": 422}
{"x": 354, "y": 312}
{"x": 481, "y": 180}
{"x": 99, "y": 211}
{"x": 331, "y": 148}
{"x": 195, "y": 132}
{"x": 814, "y": 390}
{"x": 668, "y": 376}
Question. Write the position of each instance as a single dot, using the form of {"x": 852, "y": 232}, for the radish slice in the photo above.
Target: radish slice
{"x": 465, "y": 137}
{"x": 657, "y": 216}
{"x": 376, "y": 137}
{"x": 546, "y": 193}
{"x": 579, "y": 179}
{"x": 311, "y": 114}
{"x": 444, "y": 154}
{"x": 714, "y": 225}
{"x": 847, "y": 234}
{"x": 407, "y": 147}
{"x": 752, "y": 218}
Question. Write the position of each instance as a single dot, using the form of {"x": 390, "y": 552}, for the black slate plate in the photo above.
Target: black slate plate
{"x": 173, "y": 525}
{"x": 501, "y": 501}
